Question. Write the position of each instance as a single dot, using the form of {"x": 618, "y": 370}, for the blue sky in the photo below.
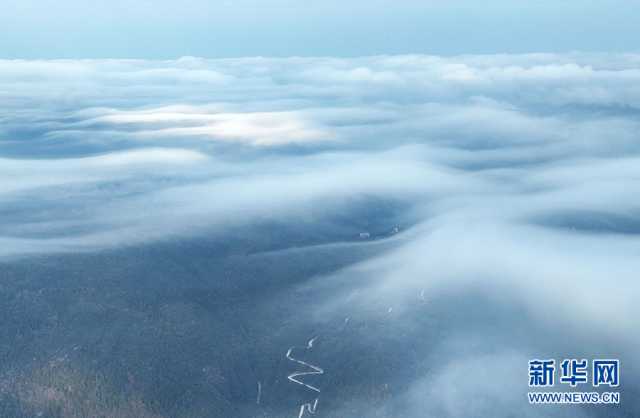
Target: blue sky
{"x": 168, "y": 28}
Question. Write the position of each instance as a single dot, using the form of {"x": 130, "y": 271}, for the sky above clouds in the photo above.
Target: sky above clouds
{"x": 236, "y": 28}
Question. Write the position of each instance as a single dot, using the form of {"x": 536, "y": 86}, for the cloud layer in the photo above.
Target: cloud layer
{"x": 518, "y": 174}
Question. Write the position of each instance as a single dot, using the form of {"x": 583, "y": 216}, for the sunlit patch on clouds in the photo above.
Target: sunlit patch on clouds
{"x": 256, "y": 128}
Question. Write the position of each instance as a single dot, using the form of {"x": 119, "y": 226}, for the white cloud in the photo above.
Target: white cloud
{"x": 519, "y": 173}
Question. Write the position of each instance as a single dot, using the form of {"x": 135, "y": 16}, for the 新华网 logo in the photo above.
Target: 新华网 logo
{"x": 573, "y": 373}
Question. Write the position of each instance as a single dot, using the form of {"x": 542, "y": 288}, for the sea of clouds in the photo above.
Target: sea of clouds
{"x": 521, "y": 173}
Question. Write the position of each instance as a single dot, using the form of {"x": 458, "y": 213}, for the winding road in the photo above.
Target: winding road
{"x": 311, "y": 370}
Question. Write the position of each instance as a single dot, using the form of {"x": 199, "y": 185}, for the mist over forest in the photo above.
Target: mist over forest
{"x": 191, "y": 238}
